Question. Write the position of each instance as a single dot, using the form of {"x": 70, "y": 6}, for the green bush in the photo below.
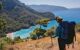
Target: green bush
{"x": 1, "y": 46}
{"x": 0, "y": 6}
{"x": 33, "y": 36}
{"x": 18, "y": 39}
{"x": 3, "y": 24}
{"x": 37, "y": 33}
{"x": 7, "y": 40}
{"x": 50, "y": 32}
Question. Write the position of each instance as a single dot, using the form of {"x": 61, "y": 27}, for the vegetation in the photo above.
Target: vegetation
{"x": 78, "y": 27}
{"x": 33, "y": 36}
{"x": 43, "y": 22}
{"x": 4, "y": 42}
{"x": 7, "y": 41}
{"x": 0, "y": 6}
{"x": 18, "y": 16}
{"x": 18, "y": 39}
{"x": 37, "y": 33}
{"x": 3, "y": 24}
{"x": 40, "y": 33}
{"x": 1, "y": 46}
{"x": 50, "y": 32}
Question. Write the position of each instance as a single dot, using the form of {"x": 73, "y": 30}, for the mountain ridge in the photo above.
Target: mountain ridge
{"x": 47, "y": 8}
{"x": 19, "y": 16}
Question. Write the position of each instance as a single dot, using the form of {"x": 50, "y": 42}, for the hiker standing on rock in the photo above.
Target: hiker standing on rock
{"x": 65, "y": 33}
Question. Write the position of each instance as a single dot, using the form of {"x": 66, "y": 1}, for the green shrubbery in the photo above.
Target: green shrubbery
{"x": 5, "y": 41}
{"x": 18, "y": 39}
{"x": 37, "y": 33}
{"x": 3, "y": 24}
{"x": 1, "y": 46}
{"x": 0, "y": 6}
{"x": 33, "y": 36}
{"x": 50, "y": 32}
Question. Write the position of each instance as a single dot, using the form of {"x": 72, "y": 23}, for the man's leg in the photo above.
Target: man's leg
{"x": 61, "y": 43}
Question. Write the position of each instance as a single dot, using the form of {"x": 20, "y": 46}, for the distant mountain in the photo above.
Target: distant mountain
{"x": 74, "y": 9}
{"x": 47, "y": 8}
{"x": 19, "y": 16}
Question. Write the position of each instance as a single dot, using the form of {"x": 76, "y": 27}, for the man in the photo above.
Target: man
{"x": 59, "y": 33}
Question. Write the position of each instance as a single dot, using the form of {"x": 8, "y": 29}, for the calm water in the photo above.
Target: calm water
{"x": 69, "y": 15}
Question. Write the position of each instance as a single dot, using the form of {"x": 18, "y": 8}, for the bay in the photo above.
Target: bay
{"x": 67, "y": 15}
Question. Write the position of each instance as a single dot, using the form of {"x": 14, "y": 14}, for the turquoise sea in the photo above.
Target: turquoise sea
{"x": 67, "y": 15}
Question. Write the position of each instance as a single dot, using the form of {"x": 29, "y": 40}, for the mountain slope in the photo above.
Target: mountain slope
{"x": 47, "y": 8}
{"x": 75, "y": 9}
{"x": 43, "y": 44}
{"x": 19, "y": 16}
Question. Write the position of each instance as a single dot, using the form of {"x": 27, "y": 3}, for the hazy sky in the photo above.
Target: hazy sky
{"x": 65, "y": 3}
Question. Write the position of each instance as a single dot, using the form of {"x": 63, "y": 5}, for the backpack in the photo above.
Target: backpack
{"x": 69, "y": 29}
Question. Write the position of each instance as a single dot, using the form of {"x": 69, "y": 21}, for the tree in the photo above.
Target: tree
{"x": 3, "y": 24}
{"x": 7, "y": 40}
{"x": 50, "y": 33}
{"x": 0, "y": 6}
{"x": 33, "y": 35}
{"x": 40, "y": 32}
{"x": 18, "y": 39}
{"x": 1, "y": 46}
{"x": 37, "y": 33}
{"x": 43, "y": 22}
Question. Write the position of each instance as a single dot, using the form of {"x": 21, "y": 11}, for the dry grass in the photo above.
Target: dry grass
{"x": 78, "y": 37}
{"x": 42, "y": 44}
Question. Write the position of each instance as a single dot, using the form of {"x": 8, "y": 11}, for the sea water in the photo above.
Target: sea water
{"x": 67, "y": 15}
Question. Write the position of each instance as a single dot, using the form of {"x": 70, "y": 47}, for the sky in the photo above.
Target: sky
{"x": 64, "y": 3}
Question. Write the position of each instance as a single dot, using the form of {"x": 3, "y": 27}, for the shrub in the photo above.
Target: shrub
{"x": 1, "y": 46}
{"x": 7, "y": 40}
{"x": 0, "y": 6}
{"x": 33, "y": 36}
{"x": 18, "y": 39}
{"x": 37, "y": 33}
{"x": 50, "y": 32}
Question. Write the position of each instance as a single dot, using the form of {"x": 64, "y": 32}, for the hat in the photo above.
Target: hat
{"x": 58, "y": 18}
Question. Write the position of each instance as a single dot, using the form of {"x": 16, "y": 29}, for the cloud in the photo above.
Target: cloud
{"x": 65, "y": 3}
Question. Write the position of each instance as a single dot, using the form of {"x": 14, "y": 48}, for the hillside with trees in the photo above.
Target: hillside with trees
{"x": 19, "y": 16}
